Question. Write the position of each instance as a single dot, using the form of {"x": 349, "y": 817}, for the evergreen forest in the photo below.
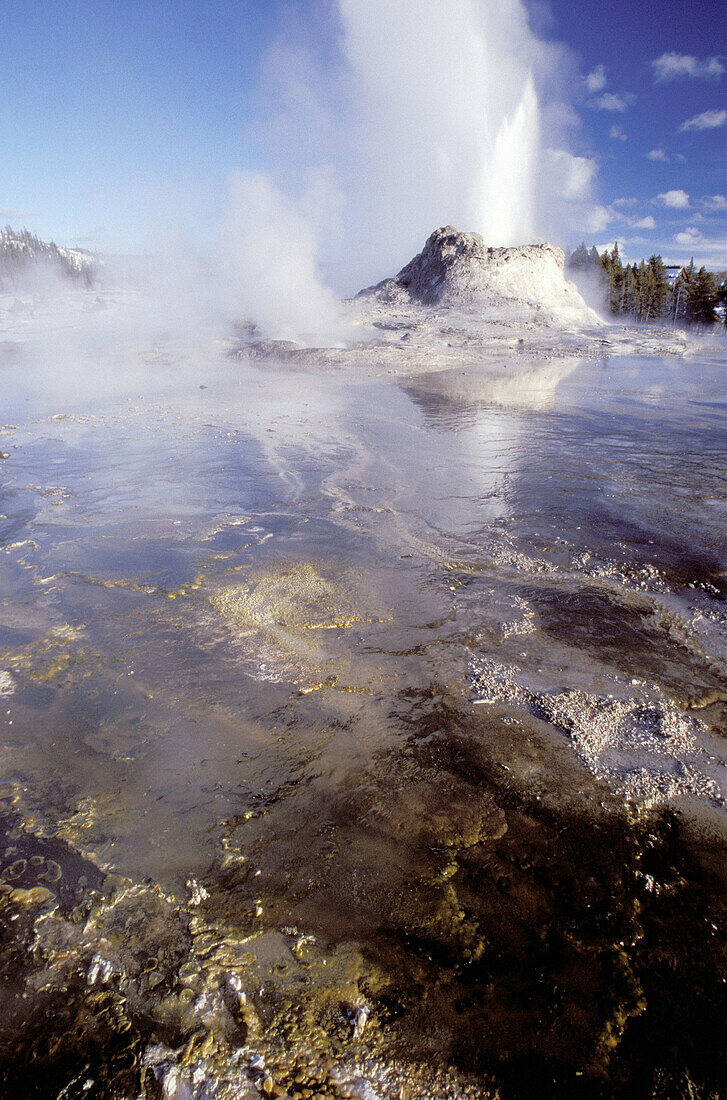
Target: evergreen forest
{"x": 646, "y": 292}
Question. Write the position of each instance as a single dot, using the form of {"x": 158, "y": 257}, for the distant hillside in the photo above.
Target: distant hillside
{"x": 24, "y": 259}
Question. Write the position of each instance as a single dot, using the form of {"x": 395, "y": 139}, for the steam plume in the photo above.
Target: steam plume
{"x": 424, "y": 114}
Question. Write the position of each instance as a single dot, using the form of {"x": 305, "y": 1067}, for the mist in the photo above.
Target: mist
{"x": 268, "y": 272}
{"x": 420, "y": 116}
{"x": 384, "y": 122}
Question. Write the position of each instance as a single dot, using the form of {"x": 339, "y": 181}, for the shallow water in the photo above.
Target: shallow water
{"x": 365, "y": 731}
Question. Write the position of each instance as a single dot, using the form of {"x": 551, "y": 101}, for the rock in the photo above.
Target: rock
{"x": 266, "y": 349}
{"x": 456, "y": 268}
{"x": 359, "y": 1019}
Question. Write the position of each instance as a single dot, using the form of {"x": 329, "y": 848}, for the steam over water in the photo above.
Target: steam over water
{"x": 365, "y": 734}
{"x": 362, "y": 731}
{"x": 416, "y": 115}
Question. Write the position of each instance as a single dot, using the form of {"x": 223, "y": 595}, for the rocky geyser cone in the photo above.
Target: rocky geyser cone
{"x": 456, "y": 268}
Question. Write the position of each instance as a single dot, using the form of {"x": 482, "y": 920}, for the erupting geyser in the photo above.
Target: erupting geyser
{"x": 418, "y": 114}
{"x": 445, "y": 121}
{"x": 507, "y": 201}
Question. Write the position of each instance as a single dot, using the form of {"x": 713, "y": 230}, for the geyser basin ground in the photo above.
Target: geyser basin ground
{"x": 459, "y": 302}
{"x": 300, "y": 794}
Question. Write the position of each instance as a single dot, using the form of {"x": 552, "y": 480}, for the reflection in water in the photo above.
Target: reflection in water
{"x": 454, "y": 398}
{"x": 362, "y": 737}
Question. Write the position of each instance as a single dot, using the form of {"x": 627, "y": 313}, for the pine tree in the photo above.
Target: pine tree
{"x": 640, "y": 291}
{"x": 702, "y": 297}
{"x": 678, "y": 307}
{"x": 643, "y": 290}
{"x": 722, "y": 299}
{"x": 617, "y": 281}
{"x": 659, "y": 287}
{"x": 613, "y": 267}
{"x": 649, "y": 293}
{"x": 580, "y": 257}
{"x": 628, "y": 304}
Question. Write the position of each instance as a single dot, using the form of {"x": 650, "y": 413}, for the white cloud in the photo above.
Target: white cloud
{"x": 657, "y": 154}
{"x": 677, "y": 200}
{"x": 609, "y": 101}
{"x": 571, "y": 175}
{"x": 691, "y": 235}
{"x": 714, "y": 204}
{"x": 596, "y": 79}
{"x": 617, "y": 133}
{"x": 708, "y": 120}
{"x": 708, "y": 253}
{"x": 597, "y": 219}
{"x": 633, "y": 221}
{"x": 672, "y": 65}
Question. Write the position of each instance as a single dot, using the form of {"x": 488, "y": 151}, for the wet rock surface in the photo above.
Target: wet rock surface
{"x": 380, "y": 762}
{"x": 533, "y": 924}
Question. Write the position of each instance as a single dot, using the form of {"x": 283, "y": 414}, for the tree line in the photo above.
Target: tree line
{"x": 643, "y": 290}
{"x": 22, "y": 253}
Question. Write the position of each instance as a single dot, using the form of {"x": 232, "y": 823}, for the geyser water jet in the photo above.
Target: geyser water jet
{"x": 506, "y": 193}
{"x": 419, "y": 115}
{"x": 442, "y": 125}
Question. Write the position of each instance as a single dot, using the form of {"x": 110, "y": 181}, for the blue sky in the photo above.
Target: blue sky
{"x": 638, "y": 138}
{"x": 123, "y": 119}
